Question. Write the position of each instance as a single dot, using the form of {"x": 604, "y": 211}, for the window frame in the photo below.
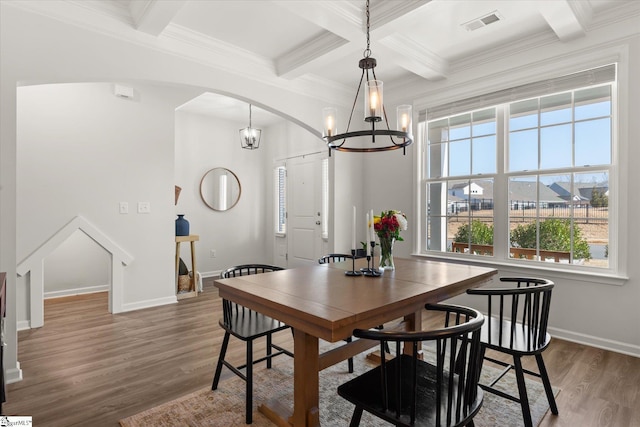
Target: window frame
{"x": 614, "y": 273}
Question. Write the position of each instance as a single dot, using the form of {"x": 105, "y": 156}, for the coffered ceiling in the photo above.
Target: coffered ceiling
{"x": 315, "y": 43}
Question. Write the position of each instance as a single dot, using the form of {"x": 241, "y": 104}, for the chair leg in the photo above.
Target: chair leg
{"x": 350, "y": 361}
{"x": 522, "y": 389}
{"x": 223, "y": 352}
{"x": 547, "y": 384}
{"x": 249, "y": 390}
{"x": 480, "y": 362}
{"x": 268, "y": 351}
{"x": 355, "y": 418}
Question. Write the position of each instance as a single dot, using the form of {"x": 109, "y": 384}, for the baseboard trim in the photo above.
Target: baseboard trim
{"x": 592, "y": 341}
{"x": 149, "y": 303}
{"x": 207, "y": 274}
{"x": 13, "y": 375}
{"x": 23, "y": 325}
{"x": 76, "y": 291}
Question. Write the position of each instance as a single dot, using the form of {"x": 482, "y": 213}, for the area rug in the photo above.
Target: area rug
{"x": 225, "y": 406}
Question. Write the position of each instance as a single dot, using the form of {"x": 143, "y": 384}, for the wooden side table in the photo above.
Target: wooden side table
{"x": 193, "y": 286}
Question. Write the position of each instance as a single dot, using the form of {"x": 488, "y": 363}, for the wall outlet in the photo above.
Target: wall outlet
{"x": 212, "y": 253}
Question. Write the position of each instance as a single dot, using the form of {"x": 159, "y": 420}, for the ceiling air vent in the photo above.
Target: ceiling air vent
{"x": 483, "y": 21}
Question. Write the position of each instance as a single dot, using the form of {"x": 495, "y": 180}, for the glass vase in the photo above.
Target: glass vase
{"x": 386, "y": 253}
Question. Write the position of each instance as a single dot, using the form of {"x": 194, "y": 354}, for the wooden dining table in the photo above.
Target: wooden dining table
{"x": 321, "y": 302}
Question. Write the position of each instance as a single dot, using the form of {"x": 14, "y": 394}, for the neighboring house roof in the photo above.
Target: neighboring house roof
{"x": 526, "y": 191}
{"x": 585, "y": 190}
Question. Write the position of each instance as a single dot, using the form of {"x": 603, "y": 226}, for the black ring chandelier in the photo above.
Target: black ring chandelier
{"x": 374, "y": 112}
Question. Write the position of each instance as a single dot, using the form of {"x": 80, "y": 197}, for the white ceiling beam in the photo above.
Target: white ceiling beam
{"x": 568, "y": 19}
{"x": 153, "y": 16}
{"x": 345, "y": 25}
{"x": 414, "y": 57}
{"x": 389, "y": 22}
{"x": 313, "y": 54}
{"x": 341, "y": 18}
{"x": 392, "y": 16}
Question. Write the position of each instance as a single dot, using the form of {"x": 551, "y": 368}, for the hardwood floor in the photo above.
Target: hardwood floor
{"x": 86, "y": 367}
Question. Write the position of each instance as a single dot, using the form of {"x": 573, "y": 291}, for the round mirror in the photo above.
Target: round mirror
{"x": 220, "y": 189}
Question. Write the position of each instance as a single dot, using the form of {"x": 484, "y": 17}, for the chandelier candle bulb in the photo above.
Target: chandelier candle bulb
{"x": 404, "y": 118}
{"x": 373, "y": 101}
{"x": 329, "y": 119}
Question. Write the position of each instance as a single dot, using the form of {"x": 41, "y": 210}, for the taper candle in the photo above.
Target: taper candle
{"x": 353, "y": 230}
{"x": 373, "y": 230}
{"x": 367, "y": 232}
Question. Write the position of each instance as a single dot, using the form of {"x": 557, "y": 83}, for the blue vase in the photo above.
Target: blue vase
{"x": 182, "y": 226}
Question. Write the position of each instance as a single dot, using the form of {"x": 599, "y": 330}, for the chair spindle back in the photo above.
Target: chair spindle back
{"x": 522, "y": 312}
{"x": 229, "y": 307}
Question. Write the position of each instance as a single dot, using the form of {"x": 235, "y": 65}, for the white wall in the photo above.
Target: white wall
{"x": 390, "y": 187}
{"x": 204, "y": 143}
{"x": 81, "y": 151}
{"x": 78, "y": 265}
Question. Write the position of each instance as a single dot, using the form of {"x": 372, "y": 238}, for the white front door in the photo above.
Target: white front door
{"x": 304, "y": 228}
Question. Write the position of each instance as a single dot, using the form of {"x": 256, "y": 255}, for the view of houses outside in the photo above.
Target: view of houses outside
{"x": 530, "y": 200}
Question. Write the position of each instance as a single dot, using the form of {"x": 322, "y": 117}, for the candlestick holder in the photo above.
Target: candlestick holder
{"x": 370, "y": 271}
{"x": 353, "y": 271}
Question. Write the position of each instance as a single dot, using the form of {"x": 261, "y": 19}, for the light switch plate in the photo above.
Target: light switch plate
{"x": 124, "y": 207}
{"x": 144, "y": 207}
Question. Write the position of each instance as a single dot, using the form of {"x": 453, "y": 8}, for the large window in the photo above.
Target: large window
{"x": 527, "y": 178}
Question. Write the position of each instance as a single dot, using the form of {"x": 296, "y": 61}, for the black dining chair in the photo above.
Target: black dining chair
{"x": 436, "y": 386}
{"x": 247, "y": 325}
{"x": 517, "y": 319}
{"x": 338, "y": 257}
{"x": 329, "y": 258}
{"x": 334, "y": 258}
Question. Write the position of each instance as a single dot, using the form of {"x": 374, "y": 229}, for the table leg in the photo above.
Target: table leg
{"x": 306, "y": 382}
{"x": 194, "y": 282}
{"x": 414, "y": 323}
{"x": 177, "y": 264}
{"x": 306, "y": 387}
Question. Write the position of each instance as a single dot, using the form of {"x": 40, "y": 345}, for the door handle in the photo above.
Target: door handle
{"x": 317, "y": 222}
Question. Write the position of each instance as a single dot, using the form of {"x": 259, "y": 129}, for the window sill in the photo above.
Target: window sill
{"x": 534, "y": 268}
